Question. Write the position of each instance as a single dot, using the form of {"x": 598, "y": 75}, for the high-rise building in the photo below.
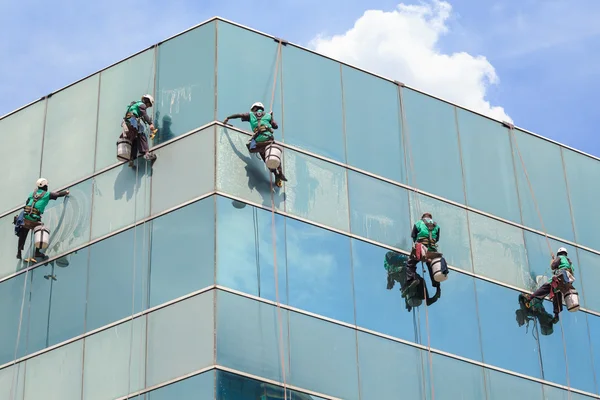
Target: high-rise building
{"x": 192, "y": 279}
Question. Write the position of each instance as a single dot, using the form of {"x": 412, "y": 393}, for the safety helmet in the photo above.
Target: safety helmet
{"x": 259, "y": 105}
{"x": 561, "y": 250}
{"x": 149, "y": 97}
{"x": 42, "y": 182}
{"x": 427, "y": 215}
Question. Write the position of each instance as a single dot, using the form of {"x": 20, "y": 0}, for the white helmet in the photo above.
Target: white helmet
{"x": 258, "y": 104}
{"x": 42, "y": 182}
{"x": 149, "y": 97}
{"x": 561, "y": 250}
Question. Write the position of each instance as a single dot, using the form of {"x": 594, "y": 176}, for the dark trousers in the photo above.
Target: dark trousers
{"x": 544, "y": 291}
{"x": 24, "y": 232}
{"x": 411, "y": 271}
{"x": 139, "y": 141}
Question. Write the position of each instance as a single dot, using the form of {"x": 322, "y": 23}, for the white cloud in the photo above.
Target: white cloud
{"x": 403, "y": 44}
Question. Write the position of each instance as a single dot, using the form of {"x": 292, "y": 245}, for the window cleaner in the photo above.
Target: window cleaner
{"x": 535, "y": 311}
{"x": 263, "y": 142}
{"x": 132, "y": 141}
{"x": 31, "y": 218}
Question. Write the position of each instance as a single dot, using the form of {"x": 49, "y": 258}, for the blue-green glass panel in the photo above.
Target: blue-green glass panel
{"x": 379, "y": 210}
{"x": 372, "y": 121}
{"x": 178, "y": 342}
{"x": 453, "y": 379}
{"x": 551, "y": 347}
{"x": 589, "y": 274}
{"x": 594, "y": 326}
{"x": 554, "y": 393}
{"x": 579, "y": 355}
{"x": 13, "y": 312}
{"x": 21, "y": 135}
{"x": 501, "y": 386}
{"x": 185, "y": 83}
{"x": 70, "y": 133}
{"x": 498, "y": 251}
{"x": 245, "y": 250}
{"x": 198, "y": 387}
{"x": 185, "y": 170}
{"x": 316, "y": 190}
{"x": 231, "y": 386}
{"x": 312, "y": 98}
{"x": 12, "y": 382}
{"x": 431, "y": 141}
{"x": 120, "y": 85}
{"x": 488, "y": 166}
{"x": 248, "y": 336}
{"x": 175, "y": 239}
{"x": 9, "y": 264}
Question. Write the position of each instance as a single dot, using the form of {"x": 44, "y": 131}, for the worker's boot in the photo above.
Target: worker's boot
{"x": 555, "y": 319}
{"x": 19, "y": 255}
{"x": 39, "y": 254}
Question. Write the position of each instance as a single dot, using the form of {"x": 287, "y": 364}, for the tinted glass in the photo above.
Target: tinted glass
{"x": 372, "y": 123}
{"x": 501, "y": 386}
{"x": 13, "y": 297}
{"x": 9, "y": 264}
{"x": 195, "y": 388}
{"x": 551, "y": 346}
{"x": 313, "y": 83}
{"x": 12, "y": 382}
{"x": 185, "y": 83}
{"x": 454, "y": 379}
{"x": 594, "y": 326}
{"x": 589, "y": 274}
{"x": 580, "y": 359}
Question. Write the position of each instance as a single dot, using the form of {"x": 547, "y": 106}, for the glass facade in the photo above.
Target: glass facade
{"x": 192, "y": 278}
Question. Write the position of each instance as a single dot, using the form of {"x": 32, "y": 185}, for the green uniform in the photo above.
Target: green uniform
{"x": 40, "y": 205}
{"x": 427, "y": 230}
{"x": 263, "y": 126}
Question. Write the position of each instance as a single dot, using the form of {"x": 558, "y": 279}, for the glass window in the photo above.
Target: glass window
{"x": 501, "y": 386}
{"x": 441, "y": 172}
{"x": 9, "y": 264}
{"x": 323, "y": 357}
{"x": 498, "y": 250}
{"x": 306, "y": 194}
{"x": 243, "y": 78}
{"x": 231, "y": 386}
{"x": 185, "y": 83}
{"x": 242, "y": 174}
{"x": 589, "y": 275}
{"x": 248, "y": 336}
{"x": 70, "y": 133}
{"x": 55, "y": 375}
{"x": 120, "y": 85}
{"x": 594, "y": 327}
{"x": 454, "y": 228}
{"x": 174, "y": 241}
{"x": 180, "y": 339}
{"x": 12, "y": 382}
{"x": 121, "y": 197}
{"x": 13, "y": 295}
{"x": 22, "y": 135}
{"x": 388, "y": 369}
{"x": 487, "y": 157}
{"x": 319, "y": 271}
{"x": 554, "y": 393}
{"x": 56, "y": 302}
{"x": 114, "y": 363}
{"x": 579, "y": 356}
{"x": 387, "y": 222}
{"x": 191, "y": 155}
{"x": 454, "y": 379}
{"x": 582, "y": 170}
{"x": 198, "y": 387}
{"x": 313, "y": 82}
{"x": 373, "y": 134}
{"x": 121, "y": 264}
{"x": 501, "y": 335}
{"x": 245, "y": 250}
{"x": 542, "y": 160}
{"x": 551, "y": 346}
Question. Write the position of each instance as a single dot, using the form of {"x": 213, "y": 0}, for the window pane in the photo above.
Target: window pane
{"x": 56, "y": 305}
{"x": 454, "y": 230}
{"x": 376, "y": 145}
{"x": 313, "y": 82}
{"x": 121, "y": 264}
{"x": 12, "y": 297}
{"x": 454, "y": 379}
{"x": 388, "y": 221}
{"x": 198, "y": 387}
{"x": 70, "y": 134}
{"x": 12, "y": 380}
{"x": 231, "y": 386}
{"x": 242, "y": 174}
{"x": 245, "y": 250}
{"x": 498, "y": 250}
{"x": 55, "y": 375}
{"x": 501, "y": 386}
{"x": 9, "y": 264}
{"x": 500, "y": 331}
{"x": 121, "y": 197}
{"x": 185, "y": 83}
{"x": 594, "y": 326}
{"x": 551, "y": 346}
{"x": 180, "y": 339}
{"x": 581, "y": 171}
{"x": 192, "y": 155}
{"x": 542, "y": 160}
{"x": 248, "y": 336}
{"x": 319, "y": 271}
{"x": 120, "y": 85}
{"x": 488, "y": 166}
{"x": 589, "y": 275}
{"x": 317, "y": 190}
{"x": 174, "y": 240}
{"x": 114, "y": 361}
{"x": 441, "y": 172}
{"x": 323, "y": 357}
{"x": 243, "y": 78}
{"x": 579, "y": 354}
{"x": 388, "y": 369}
{"x": 554, "y": 393}
{"x": 23, "y": 127}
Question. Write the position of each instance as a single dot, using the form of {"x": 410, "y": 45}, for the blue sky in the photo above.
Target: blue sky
{"x": 545, "y": 53}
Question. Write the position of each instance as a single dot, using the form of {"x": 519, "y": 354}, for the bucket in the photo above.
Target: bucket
{"x": 123, "y": 149}
{"x": 273, "y": 156}
{"x": 41, "y": 236}
{"x": 436, "y": 270}
{"x": 572, "y": 301}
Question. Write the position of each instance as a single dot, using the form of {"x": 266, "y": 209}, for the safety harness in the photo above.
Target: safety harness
{"x": 31, "y": 210}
